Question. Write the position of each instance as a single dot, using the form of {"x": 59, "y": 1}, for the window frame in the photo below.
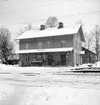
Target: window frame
{"x": 63, "y": 43}
{"x": 27, "y": 45}
{"x": 40, "y": 45}
{"x": 48, "y": 44}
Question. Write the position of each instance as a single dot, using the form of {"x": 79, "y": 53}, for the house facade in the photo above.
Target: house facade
{"x": 51, "y": 47}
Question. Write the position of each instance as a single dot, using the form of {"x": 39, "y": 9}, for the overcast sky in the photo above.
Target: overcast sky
{"x": 16, "y": 13}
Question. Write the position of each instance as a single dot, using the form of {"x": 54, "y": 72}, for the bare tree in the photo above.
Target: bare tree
{"x": 6, "y": 46}
{"x": 27, "y": 28}
{"x": 96, "y": 34}
{"x": 88, "y": 40}
{"x": 21, "y": 31}
{"x": 88, "y": 43}
{"x": 79, "y": 22}
{"x": 51, "y": 22}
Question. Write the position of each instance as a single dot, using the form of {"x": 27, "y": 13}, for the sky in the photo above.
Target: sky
{"x": 15, "y": 14}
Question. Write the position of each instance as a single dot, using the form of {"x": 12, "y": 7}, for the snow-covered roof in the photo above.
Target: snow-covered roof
{"x": 89, "y": 50}
{"x": 45, "y": 50}
{"x": 49, "y": 32}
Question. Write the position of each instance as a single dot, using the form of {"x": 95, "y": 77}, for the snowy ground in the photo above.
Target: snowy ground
{"x": 16, "y": 95}
{"x": 43, "y": 86}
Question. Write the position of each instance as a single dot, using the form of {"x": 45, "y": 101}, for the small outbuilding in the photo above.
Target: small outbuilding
{"x": 88, "y": 56}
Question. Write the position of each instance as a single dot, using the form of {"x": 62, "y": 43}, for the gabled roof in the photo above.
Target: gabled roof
{"x": 51, "y": 32}
{"x": 83, "y": 48}
{"x": 81, "y": 34}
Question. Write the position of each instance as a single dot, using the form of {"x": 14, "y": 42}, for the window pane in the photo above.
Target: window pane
{"x": 27, "y": 45}
{"x": 63, "y": 43}
{"x": 40, "y": 45}
{"x": 48, "y": 44}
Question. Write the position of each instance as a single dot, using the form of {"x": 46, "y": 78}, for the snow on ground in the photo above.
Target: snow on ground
{"x": 47, "y": 89}
{"x": 16, "y": 69}
{"x": 97, "y": 64}
{"x": 5, "y": 90}
{"x": 16, "y": 95}
{"x": 14, "y": 72}
{"x": 62, "y": 96}
{"x": 12, "y": 69}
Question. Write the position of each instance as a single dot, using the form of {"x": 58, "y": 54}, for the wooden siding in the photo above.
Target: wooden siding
{"x": 55, "y": 42}
{"x": 77, "y": 49}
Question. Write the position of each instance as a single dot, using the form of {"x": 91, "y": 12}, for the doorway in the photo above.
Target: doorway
{"x": 63, "y": 59}
{"x": 50, "y": 60}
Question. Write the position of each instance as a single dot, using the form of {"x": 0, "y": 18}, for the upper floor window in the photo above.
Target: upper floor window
{"x": 40, "y": 45}
{"x": 27, "y": 45}
{"x": 63, "y": 43}
{"x": 48, "y": 44}
{"x": 80, "y": 45}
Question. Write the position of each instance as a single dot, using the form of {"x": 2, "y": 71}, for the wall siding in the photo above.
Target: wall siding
{"x": 77, "y": 49}
{"x": 55, "y": 42}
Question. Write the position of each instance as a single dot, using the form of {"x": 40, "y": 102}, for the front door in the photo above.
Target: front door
{"x": 50, "y": 60}
{"x": 63, "y": 59}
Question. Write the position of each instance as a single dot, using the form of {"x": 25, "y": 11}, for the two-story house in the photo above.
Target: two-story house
{"x": 55, "y": 46}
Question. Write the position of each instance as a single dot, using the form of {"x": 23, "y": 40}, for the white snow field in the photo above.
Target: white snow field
{"x": 17, "y": 95}
{"x": 43, "y": 86}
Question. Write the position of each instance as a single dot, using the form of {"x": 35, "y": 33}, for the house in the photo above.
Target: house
{"x": 48, "y": 47}
{"x": 88, "y": 57}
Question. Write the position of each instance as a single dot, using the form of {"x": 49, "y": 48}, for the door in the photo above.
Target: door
{"x": 63, "y": 59}
{"x": 50, "y": 60}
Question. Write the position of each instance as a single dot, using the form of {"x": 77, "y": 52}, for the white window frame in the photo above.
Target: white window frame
{"x": 40, "y": 44}
{"x": 80, "y": 45}
{"x": 27, "y": 45}
{"x": 48, "y": 44}
{"x": 63, "y": 43}
{"x": 76, "y": 43}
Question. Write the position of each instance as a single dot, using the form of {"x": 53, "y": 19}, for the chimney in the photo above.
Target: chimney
{"x": 60, "y": 25}
{"x": 42, "y": 27}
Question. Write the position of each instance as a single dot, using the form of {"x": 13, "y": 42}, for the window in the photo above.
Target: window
{"x": 48, "y": 45}
{"x": 40, "y": 45}
{"x": 76, "y": 44}
{"x": 27, "y": 45}
{"x": 76, "y": 58}
{"x": 80, "y": 45}
{"x": 39, "y": 57}
{"x": 63, "y": 43}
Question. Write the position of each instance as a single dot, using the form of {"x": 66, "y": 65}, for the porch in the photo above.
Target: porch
{"x": 55, "y": 58}
{"x": 47, "y": 59}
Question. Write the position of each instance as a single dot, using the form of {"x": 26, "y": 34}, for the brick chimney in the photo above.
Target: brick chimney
{"x": 42, "y": 27}
{"x": 60, "y": 25}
